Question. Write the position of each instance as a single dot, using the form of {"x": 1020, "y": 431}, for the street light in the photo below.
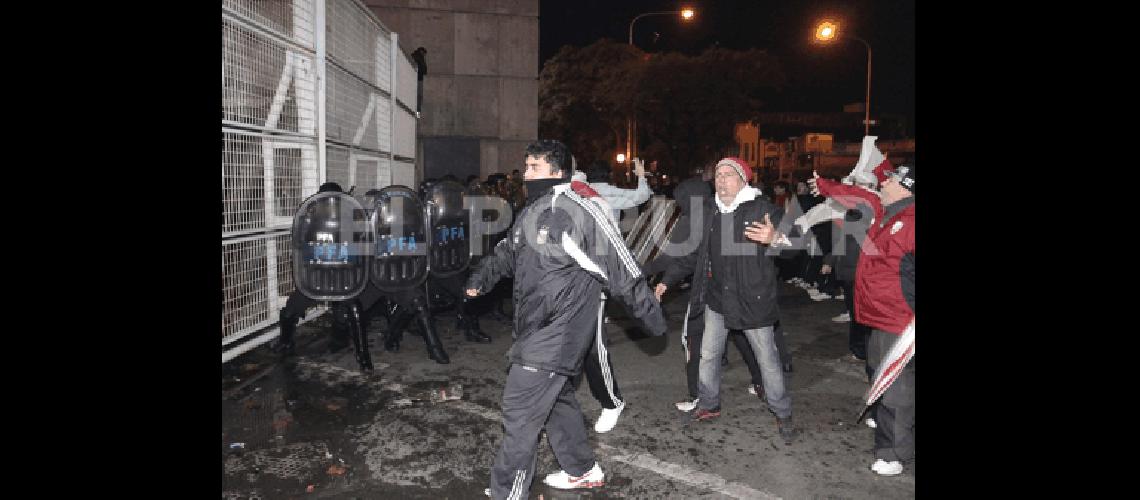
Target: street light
{"x": 686, "y": 14}
{"x": 621, "y": 157}
{"x": 826, "y": 32}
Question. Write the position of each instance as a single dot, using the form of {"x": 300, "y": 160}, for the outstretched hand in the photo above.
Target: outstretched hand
{"x": 639, "y": 167}
{"x": 472, "y": 292}
{"x": 812, "y": 183}
{"x": 759, "y": 232}
{"x": 659, "y": 291}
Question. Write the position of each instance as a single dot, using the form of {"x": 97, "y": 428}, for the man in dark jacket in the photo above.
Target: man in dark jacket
{"x": 562, "y": 253}
{"x": 691, "y": 195}
{"x": 734, "y": 281}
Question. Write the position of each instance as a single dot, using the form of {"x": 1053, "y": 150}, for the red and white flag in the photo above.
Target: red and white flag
{"x": 891, "y": 366}
{"x": 872, "y": 163}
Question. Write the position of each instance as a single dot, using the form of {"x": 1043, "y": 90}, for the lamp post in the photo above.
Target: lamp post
{"x": 828, "y": 31}
{"x": 686, "y": 14}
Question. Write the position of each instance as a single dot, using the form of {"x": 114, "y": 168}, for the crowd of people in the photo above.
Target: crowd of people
{"x": 731, "y": 245}
{"x": 564, "y": 255}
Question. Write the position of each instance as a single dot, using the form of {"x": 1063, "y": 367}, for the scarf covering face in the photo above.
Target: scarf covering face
{"x": 536, "y": 188}
{"x": 746, "y": 193}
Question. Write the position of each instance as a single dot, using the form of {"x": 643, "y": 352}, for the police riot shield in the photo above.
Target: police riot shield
{"x": 400, "y": 262}
{"x": 449, "y": 248}
{"x": 331, "y": 247}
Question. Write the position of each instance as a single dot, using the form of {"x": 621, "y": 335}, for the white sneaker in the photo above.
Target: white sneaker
{"x": 487, "y": 492}
{"x": 842, "y": 318}
{"x": 818, "y": 296}
{"x": 608, "y": 419}
{"x": 884, "y": 468}
{"x": 871, "y": 423}
{"x": 687, "y": 406}
{"x": 752, "y": 390}
{"x": 563, "y": 481}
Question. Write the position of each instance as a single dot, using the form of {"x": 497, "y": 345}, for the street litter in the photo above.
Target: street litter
{"x": 453, "y": 392}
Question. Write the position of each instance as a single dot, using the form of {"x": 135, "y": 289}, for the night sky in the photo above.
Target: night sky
{"x": 820, "y": 79}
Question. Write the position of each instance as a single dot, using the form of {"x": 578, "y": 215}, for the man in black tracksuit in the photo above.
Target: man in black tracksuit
{"x": 562, "y": 253}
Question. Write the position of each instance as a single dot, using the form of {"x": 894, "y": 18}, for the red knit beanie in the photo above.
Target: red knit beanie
{"x": 739, "y": 165}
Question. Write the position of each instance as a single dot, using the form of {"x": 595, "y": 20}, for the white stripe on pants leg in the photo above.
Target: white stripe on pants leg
{"x": 516, "y": 488}
{"x": 603, "y": 354}
{"x": 685, "y": 333}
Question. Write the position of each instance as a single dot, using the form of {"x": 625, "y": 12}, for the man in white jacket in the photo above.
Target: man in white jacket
{"x": 598, "y": 175}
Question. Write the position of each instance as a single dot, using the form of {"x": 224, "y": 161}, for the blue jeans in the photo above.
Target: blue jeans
{"x": 763, "y": 345}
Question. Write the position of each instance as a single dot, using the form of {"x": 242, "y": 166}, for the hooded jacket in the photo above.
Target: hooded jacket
{"x": 750, "y": 298}
{"x": 562, "y": 252}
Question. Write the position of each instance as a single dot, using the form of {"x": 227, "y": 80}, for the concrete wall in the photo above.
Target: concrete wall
{"x": 480, "y": 104}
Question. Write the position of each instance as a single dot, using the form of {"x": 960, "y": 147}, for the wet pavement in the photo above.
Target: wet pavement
{"x": 314, "y": 426}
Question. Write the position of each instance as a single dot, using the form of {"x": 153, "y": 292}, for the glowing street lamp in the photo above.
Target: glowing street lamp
{"x": 621, "y": 157}
{"x": 827, "y": 31}
{"x": 686, "y": 15}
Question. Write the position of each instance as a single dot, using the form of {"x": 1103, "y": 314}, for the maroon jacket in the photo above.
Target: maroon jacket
{"x": 884, "y": 278}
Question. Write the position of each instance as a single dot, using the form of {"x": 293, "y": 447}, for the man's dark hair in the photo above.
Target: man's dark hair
{"x": 330, "y": 186}
{"x": 599, "y": 171}
{"x": 554, "y": 152}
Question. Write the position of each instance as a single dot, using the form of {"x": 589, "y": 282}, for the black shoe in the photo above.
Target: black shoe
{"x": 438, "y": 355}
{"x": 477, "y": 336}
{"x": 788, "y": 430}
{"x": 470, "y": 326}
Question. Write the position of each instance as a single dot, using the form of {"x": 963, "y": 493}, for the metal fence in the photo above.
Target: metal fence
{"x": 307, "y": 97}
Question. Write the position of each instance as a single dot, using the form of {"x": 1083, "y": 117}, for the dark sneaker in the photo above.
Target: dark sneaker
{"x": 787, "y": 428}
{"x": 700, "y": 414}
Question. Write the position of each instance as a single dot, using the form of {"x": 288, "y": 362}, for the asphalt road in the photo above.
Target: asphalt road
{"x": 314, "y": 426}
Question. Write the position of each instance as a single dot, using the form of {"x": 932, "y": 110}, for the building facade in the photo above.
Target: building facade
{"x": 480, "y": 91}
